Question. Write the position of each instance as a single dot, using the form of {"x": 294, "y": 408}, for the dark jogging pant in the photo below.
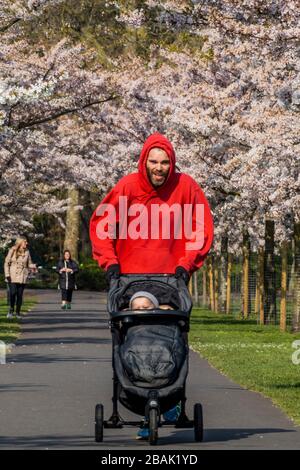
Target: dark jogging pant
{"x": 16, "y": 290}
{"x": 66, "y": 294}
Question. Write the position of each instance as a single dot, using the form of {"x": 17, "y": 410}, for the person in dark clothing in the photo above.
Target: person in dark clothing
{"x": 67, "y": 269}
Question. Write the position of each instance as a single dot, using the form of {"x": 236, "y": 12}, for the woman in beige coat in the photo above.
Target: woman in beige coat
{"x": 17, "y": 266}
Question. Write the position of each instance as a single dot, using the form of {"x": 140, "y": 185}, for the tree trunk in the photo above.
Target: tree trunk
{"x": 60, "y": 242}
{"x": 223, "y": 274}
{"x": 296, "y": 282}
{"x": 284, "y": 266}
{"x": 72, "y": 223}
{"x": 246, "y": 291}
{"x": 228, "y": 284}
{"x": 84, "y": 245}
{"x": 269, "y": 275}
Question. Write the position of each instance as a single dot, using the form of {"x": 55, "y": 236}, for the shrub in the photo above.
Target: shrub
{"x": 91, "y": 278}
{"x": 2, "y": 281}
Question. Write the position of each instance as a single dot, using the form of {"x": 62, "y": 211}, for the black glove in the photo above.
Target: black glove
{"x": 8, "y": 279}
{"x": 182, "y": 273}
{"x": 113, "y": 272}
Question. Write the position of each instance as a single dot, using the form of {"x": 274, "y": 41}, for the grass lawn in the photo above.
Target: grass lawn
{"x": 257, "y": 357}
{"x": 10, "y": 329}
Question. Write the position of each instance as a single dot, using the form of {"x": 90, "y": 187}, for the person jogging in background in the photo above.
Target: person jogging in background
{"x": 156, "y": 220}
{"x": 17, "y": 266}
{"x": 67, "y": 269}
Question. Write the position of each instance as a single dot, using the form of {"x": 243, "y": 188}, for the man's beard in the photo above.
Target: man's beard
{"x": 158, "y": 179}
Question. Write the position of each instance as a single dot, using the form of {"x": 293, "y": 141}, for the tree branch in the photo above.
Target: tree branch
{"x": 226, "y": 193}
{"x": 25, "y": 125}
{"x": 6, "y": 27}
{"x": 48, "y": 71}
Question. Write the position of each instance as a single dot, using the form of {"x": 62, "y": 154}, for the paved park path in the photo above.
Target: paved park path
{"x": 61, "y": 367}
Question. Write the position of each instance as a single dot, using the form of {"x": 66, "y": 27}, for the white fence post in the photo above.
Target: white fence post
{"x": 2, "y": 352}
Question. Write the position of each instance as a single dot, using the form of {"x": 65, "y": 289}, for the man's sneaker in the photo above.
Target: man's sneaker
{"x": 143, "y": 434}
{"x": 10, "y": 315}
{"x": 63, "y": 306}
{"x": 173, "y": 414}
{"x": 19, "y": 316}
{"x": 68, "y": 306}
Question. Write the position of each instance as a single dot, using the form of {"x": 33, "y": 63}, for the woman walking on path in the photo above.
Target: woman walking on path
{"x": 17, "y": 265}
{"x": 67, "y": 268}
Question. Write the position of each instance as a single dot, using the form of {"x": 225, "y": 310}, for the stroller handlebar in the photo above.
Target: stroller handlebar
{"x": 148, "y": 274}
{"x": 176, "y": 314}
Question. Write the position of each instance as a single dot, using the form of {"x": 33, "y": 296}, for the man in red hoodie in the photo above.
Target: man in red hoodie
{"x": 160, "y": 196}
{"x": 167, "y": 202}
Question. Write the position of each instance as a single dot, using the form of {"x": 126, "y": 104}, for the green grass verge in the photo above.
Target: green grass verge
{"x": 257, "y": 357}
{"x": 10, "y": 329}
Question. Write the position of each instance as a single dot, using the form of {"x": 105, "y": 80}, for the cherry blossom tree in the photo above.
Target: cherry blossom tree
{"x": 219, "y": 78}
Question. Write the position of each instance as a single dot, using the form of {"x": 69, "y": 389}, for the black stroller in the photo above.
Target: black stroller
{"x": 150, "y": 354}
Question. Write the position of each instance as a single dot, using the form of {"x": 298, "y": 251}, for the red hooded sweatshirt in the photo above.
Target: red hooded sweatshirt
{"x": 150, "y": 253}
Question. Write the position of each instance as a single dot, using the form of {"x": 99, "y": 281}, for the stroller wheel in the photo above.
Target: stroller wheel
{"x": 198, "y": 422}
{"x": 99, "y": 414}
{"x": 153, "y": 425}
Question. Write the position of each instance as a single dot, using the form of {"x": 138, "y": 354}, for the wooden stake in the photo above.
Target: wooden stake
{"x": 204, "y": 290}
{"x": 256, "y": 304}
{"x": 196, "y": 287}
{"x": 284, "y": 265}
{"x": 296, "y": 282}
{"x": 211, "y": 284}
{"x": 261, "y": 258}
{"x": 190, "y": 286}
{"x": 216, "y": 286}
{"x": 246, "y": 253}
{"x": 223, "y": 274}
{"x": 228, "y": 284}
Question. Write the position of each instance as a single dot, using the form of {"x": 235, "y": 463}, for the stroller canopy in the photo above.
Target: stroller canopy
{"x": 166, "y": 288}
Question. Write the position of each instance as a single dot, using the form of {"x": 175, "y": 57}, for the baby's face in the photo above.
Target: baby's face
{"x": 142, "y": 303}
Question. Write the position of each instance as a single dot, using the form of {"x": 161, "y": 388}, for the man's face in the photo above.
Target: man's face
{"x": 158, "y": 166}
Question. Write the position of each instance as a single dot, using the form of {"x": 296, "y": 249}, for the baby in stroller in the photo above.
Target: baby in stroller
{"x": 149, "y": 321}
{"x": 143, "y": 300}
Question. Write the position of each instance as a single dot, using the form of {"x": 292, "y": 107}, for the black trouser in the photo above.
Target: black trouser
{"x": 16, "y": 290}
{"x": 66, "y": 294}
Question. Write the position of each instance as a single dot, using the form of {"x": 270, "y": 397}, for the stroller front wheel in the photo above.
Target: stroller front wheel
{"x": 99, "y": 415}
{"x": 198, "y": 422}
{"x": 153, "y": 426}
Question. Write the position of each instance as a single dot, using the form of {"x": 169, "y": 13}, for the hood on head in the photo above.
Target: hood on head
{"x": 160, "y": 141}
